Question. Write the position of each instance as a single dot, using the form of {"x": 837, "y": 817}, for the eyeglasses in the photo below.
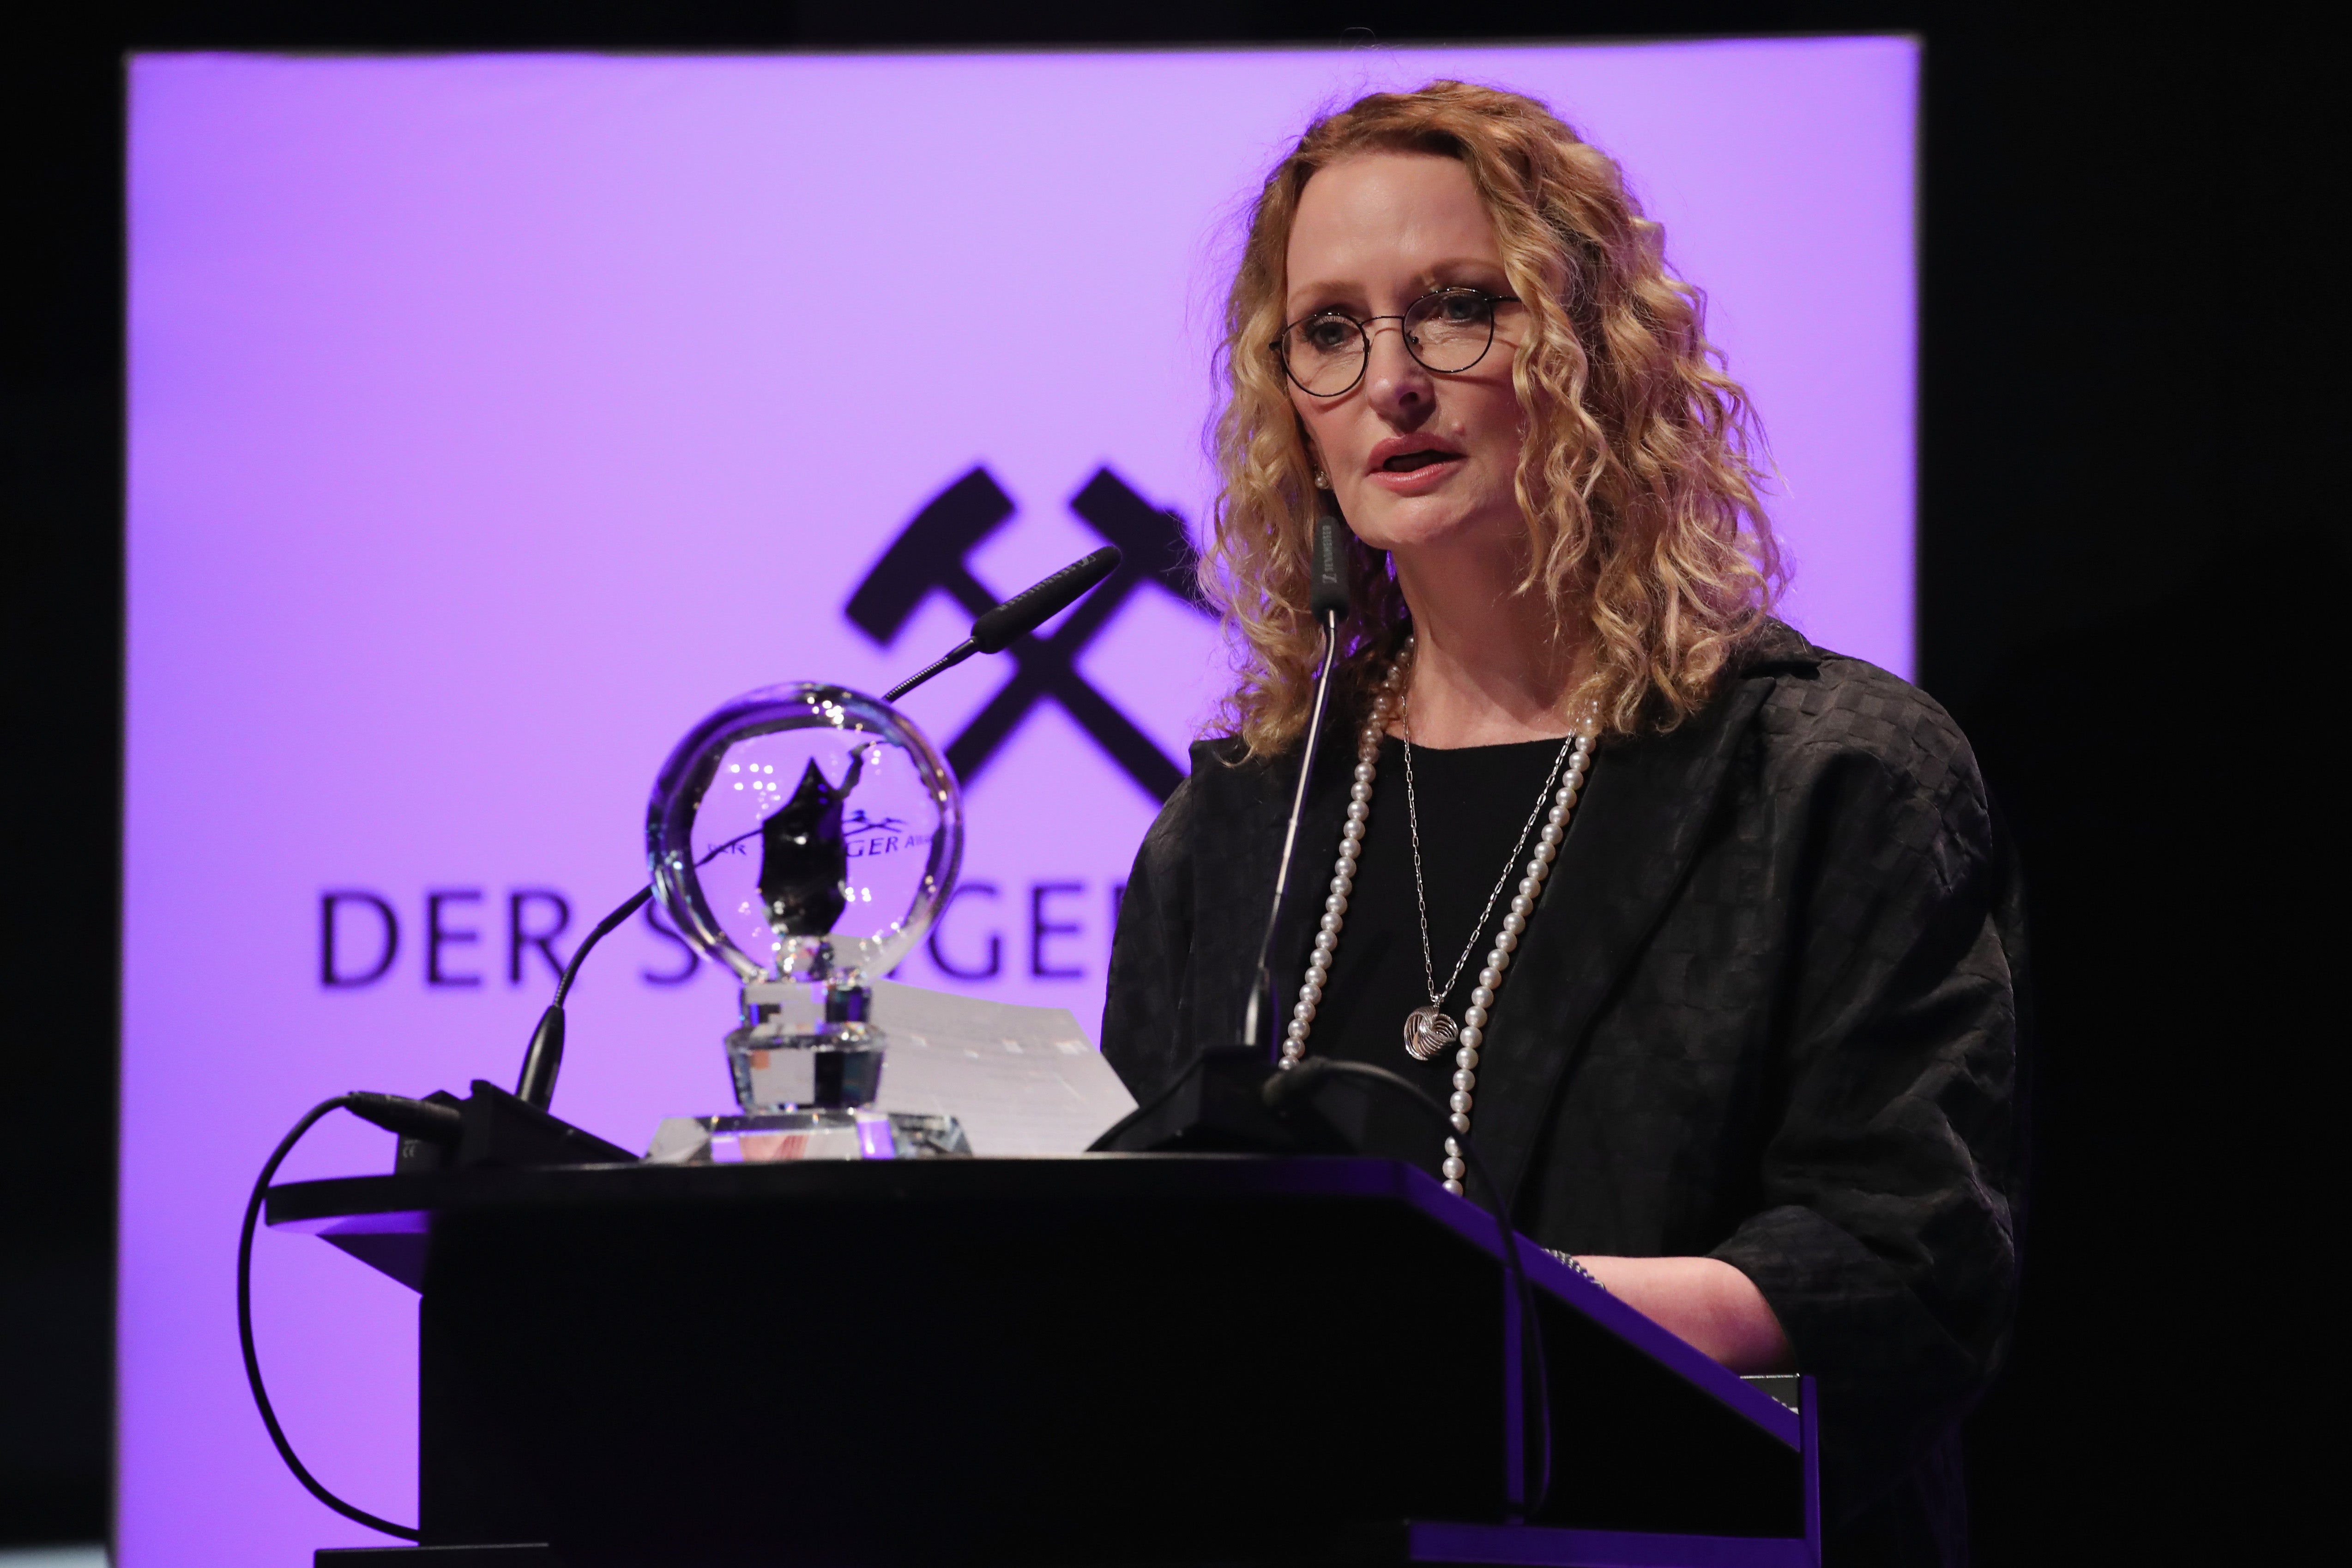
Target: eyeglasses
{"x": 1446, "y": 330}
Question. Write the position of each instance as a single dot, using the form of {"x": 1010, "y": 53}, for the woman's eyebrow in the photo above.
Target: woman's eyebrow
{"x": 1335, "y": 293}
{"x": 1325, "y": 296}
{"x": 1438, "y": 272}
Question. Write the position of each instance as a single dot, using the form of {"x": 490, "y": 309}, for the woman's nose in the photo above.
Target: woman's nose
{"x": 1397, "y": 383}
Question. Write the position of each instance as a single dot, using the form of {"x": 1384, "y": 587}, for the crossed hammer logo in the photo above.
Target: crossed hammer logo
{"x": 934, "y": 553}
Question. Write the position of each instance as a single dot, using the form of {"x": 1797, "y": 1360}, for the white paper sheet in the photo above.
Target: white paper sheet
{"x": 1023, "y": 1080}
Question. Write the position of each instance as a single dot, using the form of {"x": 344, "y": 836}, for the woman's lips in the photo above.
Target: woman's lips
{"x": 1406, "y": 462}
{"x": 1426, "y": 470}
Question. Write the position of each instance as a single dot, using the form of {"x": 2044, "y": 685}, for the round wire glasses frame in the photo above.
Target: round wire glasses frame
{"x": 1446, "y": 330}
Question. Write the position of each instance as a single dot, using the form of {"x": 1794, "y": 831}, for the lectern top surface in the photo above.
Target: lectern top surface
{"x": 387, "y": 1219}
{"x": 389, "y": 1205}
{"x": 1126, "y": 1177}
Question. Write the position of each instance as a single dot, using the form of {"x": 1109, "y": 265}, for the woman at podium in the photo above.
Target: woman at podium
{"x": 1700, "y": 930}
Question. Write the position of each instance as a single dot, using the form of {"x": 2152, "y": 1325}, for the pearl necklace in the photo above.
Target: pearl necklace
{"x": 1386, "y": 705}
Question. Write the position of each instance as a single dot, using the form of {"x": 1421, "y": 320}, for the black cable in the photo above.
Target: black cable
{"x": 1305, "y": 1080}
{"x": 245, "y": 1330}
{"x": 1112, "y": 1135}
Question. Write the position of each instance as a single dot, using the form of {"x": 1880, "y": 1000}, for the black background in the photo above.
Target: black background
{"x": 2130, "y": 588}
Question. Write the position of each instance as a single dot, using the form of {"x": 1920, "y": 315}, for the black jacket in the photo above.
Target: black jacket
{"x": 1776, "y": 1020}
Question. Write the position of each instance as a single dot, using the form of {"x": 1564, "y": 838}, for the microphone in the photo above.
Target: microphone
{"x": 1328, "y": 601}
{"x": 1228, "y": 1100}
{"x": 1328, "y": 594}
{"x": 1024, "y": 612}
{"x": 992, "y": 633}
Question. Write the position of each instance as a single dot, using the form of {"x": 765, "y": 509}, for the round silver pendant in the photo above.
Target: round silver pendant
{"x": 1429, "y": 1034}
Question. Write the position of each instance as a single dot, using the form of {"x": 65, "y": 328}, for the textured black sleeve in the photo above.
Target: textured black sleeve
{"x": 1143, "y": 1035}
{"x": 1886, "y": 1240}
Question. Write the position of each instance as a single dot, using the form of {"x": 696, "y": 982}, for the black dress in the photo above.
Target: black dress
{"x": 1768, "y": 1010}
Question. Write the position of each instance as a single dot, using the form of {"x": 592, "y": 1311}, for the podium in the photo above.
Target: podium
{"x": 1098, "y": 1360}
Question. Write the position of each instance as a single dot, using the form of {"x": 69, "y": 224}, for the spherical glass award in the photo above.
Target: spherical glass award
{"x": 805, "y": 836}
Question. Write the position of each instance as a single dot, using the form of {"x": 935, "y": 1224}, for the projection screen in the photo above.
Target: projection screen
{"x": 493, "y": 418}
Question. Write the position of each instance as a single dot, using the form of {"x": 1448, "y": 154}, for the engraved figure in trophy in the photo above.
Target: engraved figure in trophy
{"x": 804, "y": 860}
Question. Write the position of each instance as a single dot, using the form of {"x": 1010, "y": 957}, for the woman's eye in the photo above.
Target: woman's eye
{"x": 1328, "y": 333}
{"x": 1460, "y": 305}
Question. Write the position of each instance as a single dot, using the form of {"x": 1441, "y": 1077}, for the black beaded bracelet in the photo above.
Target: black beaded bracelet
{"x": 1578, "y": 1268}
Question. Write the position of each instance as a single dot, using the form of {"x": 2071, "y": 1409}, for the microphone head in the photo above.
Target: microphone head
{"x": 1033, "y": 606}
{"x": 1328, "y": 591}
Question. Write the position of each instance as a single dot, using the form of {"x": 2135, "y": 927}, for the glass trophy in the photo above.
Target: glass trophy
{"x": 805, "y": 836}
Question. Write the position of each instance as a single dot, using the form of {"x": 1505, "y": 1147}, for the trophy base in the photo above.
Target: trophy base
{"x": 775, "y": 1074}
{"x": 804, "y": 1046}
{"x": 788, "y": 1135}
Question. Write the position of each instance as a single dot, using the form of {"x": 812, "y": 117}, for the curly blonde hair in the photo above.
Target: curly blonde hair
{"x": 1637, "y": 479}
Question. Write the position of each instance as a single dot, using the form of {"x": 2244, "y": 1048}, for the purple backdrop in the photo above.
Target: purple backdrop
{"x": 492, "y": 418}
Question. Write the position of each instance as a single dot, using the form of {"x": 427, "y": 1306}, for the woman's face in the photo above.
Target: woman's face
{"x": 1415, "y": 458}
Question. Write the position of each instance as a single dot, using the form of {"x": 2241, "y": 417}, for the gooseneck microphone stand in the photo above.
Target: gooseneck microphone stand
{"x": 1218, "y": 1104}
{"x": 1329, "y": 604}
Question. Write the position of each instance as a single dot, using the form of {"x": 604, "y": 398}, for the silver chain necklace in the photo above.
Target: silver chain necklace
{"x": 1472, "y": 1032}
{"x": 1428, "y": 1031}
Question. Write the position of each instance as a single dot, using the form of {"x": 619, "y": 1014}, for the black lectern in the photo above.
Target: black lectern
{"x": 1102, "y": 1359}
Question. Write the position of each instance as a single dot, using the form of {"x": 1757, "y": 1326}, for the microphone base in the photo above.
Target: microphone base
{"x": 502, "y": 1129}
{"x": 1219, "y": 1106}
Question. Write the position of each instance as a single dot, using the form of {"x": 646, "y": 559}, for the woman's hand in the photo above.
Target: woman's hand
{"x": 1704, "y": 1301}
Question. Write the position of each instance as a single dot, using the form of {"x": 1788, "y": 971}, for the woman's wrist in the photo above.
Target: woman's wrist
{"x": 1704, "y": 1301}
